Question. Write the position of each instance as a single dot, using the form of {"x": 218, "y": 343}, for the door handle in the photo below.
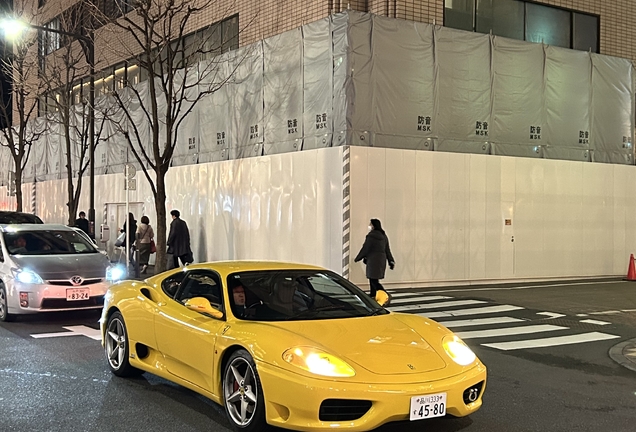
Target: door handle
{"x": 512, "y": 239}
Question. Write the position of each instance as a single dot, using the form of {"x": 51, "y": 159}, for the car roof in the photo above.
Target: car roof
{"x": 236, "y": 266}
{"x": 34, "y": 227}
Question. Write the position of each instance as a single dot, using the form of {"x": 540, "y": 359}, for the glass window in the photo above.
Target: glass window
{"x": 459, "y": 14}
{"x": 120, "y": 76}
{"x": 201, "y": 283}
{"x": 585, "y": 32}
{"x": 502, "y": 17}
{"x": 132, "y": 74}
{"x": 230, "y": 31}
{"x": 547, "y": 25}
{"x": 47, "y": 243}
{"x": 282, "y": 295}
{"x": 171, "y": 284}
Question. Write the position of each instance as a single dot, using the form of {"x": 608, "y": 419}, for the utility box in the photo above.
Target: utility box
{"x": 104, "y": 233}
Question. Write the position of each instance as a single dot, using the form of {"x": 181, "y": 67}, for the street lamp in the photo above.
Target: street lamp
{"x": 14, "y": 28}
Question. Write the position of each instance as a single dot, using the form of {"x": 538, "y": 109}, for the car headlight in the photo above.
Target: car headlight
{"x": 115, "y": 273}
{"x": 318, "y": 362}
{"x": 458, "y": 350}
{"x": 27, "y": 276}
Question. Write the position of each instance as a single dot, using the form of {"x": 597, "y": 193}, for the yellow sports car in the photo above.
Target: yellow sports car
{"x": 289, "y": 345}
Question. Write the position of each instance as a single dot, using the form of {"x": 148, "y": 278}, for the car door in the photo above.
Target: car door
{"x": 185, "y": 337}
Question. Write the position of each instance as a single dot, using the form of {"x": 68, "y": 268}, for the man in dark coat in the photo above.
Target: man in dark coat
{"x": 82, "y": 222}
{"x": 179, "y": 240}
{"x": 376, "y": 252}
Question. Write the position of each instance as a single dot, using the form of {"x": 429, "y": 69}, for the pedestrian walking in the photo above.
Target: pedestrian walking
{"x": 179, "y": 240}
{"x": 145, "y": 239}
{"x": 82, "y": 222}
{"x": 131, "y": 233}
{"x": 376, "y": 252}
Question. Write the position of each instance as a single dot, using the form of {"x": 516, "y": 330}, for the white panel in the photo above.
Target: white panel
{"x": 494, "y": 178}
{"x": 399, "y": 221}
{"x": 458, "y": 215}
{"x": 442, "y": 208}
{"x": 424, "y": 225}
{"x": 359, "y": 204}
{"x": 477, "y": 218}
{"x": 529, "y": 217}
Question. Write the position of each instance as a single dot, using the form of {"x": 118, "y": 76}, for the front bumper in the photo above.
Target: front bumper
{"x": 293, "y": 401}
{"x": 52, "y": 298}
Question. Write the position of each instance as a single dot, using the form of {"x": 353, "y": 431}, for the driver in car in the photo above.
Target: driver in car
{"x": 238, "y": 294}
{"x": 19, "y": 246}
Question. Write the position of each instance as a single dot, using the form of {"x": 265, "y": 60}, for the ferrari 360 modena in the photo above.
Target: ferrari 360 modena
{"x": 288, "y": 345}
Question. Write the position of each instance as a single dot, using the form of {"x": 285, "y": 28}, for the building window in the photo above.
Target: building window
{"x": 527, "y": 21}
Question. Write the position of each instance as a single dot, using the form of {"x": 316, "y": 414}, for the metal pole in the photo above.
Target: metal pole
{"x": 91, "y": 130}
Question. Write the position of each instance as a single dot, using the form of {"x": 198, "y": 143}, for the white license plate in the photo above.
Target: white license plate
{"x": 428, "y": 406}
{"x": 74, "y": 294}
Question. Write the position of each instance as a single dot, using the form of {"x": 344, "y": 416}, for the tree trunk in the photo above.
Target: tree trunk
{"x": 160, "y": 206}
{"x": 18, "y": 186}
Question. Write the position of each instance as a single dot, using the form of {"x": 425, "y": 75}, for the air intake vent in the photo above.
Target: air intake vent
{"x": 472, "y": 393}
{"x": 343, "y": 409}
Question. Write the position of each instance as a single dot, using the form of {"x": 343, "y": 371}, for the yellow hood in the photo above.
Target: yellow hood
{"x": 383, "y": 344}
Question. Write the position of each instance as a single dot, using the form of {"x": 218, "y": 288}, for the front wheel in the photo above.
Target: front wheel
{"x": 117, "y": 349}
{"x": 4, "y": 305}
{"x": 243, "y": 393}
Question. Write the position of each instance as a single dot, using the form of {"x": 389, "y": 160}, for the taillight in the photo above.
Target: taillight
{"x": 24, "y": 299}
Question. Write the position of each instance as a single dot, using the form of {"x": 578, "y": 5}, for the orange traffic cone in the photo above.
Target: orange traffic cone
{"x": 631, "y": 271}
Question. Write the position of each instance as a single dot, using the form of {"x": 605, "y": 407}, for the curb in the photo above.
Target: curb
{"x": 624, "y": 354}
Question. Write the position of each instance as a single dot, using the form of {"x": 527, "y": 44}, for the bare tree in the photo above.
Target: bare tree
{"x": 181, "y": 68}
{"x": 19, "y": 111}
{"x": 67, "y": 98}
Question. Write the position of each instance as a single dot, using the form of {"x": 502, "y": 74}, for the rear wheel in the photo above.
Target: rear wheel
{"x": 243, "y": 393}
{"x": 117, "y": 349}
{"x": 4, "y": 305}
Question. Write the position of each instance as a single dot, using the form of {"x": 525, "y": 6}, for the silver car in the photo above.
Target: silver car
{"x": 47, "y": 268}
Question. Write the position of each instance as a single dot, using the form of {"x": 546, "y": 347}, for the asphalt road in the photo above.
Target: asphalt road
{"x": 63, "y": 383}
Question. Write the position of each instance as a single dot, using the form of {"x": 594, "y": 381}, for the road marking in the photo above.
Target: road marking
{"x": 552, "y": 315}
{"x": 472, "y": 288}
{"x": 554, "y": 341}
{"x": 479, "y": 321}
{"x": 437, "y": 305}
{"x": 591, "y": 321}
{"x": 471, "y": 311}
{"x": 72, "y": 331}
{"x": 412, "y": 299}
{"x": 509, "y": 331}
{"x": 609, "y": 312}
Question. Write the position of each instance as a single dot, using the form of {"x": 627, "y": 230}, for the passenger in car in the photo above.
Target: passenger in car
{"x": 19, "y": 246}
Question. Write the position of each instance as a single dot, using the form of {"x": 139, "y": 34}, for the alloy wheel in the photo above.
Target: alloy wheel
{"x": 3, "y": 304}
{"x": 116, "y": 343}
{"x": 240, "y": 391}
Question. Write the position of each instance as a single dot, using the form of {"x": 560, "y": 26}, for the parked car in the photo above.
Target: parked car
{"x": 11, "y": 217}
{"x": 289, "y": 345}
{"x": 46, "y": 268}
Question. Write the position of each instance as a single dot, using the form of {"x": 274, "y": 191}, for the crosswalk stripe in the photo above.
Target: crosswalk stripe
{"x": 437, "y": 305}
{"x": 479, "y": 321}
{"x": 420, "y": 299}
{"x": 471, "y": 311}
{"x": 553, "y": 341}
{"x": 509, "y": 331}
{"x": 410, "y": 294}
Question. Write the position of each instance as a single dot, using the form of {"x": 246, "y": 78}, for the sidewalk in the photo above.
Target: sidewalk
{"x": 624, "y": 354}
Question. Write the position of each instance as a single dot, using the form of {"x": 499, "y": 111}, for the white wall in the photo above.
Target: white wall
{"x": 444, "y": 214}
{"x": 282, "y": 207}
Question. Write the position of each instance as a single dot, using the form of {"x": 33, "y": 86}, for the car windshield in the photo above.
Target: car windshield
{"x": 9, "y": 218}
{"x": 41, "y": 242}
{"x": 284, "y": 295}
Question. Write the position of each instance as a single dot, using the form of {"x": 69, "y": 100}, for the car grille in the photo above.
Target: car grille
{"x": 68, "y": 282}
{"x": 343, "y": 409}
{"x": 472, "y": 393}
{"x": 64, "y": 304}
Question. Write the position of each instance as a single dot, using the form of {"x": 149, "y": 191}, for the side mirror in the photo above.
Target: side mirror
{"x": 202, "y": 305}
{"x": 383, "y": 298}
